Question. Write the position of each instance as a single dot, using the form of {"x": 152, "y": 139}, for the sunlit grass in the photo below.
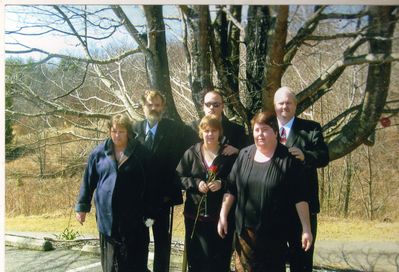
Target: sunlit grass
{"x": 329, "y": 228}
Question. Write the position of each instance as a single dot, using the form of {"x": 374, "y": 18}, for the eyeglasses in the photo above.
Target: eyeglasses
{"x": 214, "y": 104}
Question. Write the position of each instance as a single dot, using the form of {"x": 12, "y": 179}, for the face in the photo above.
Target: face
{"x": 119, "y": 136}
{"x": 153, "y": 109}
{"x": 213, "y": 104}
{"x": 285, "y": 106}
{"x": 210, "y": 135}
{"x": 264, "y": 135}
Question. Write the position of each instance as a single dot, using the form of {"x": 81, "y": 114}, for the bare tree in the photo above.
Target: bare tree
{"x": 269, "y": 40}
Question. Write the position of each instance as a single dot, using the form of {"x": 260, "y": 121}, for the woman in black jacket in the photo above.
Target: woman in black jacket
{"x": 117, "y": 174}
{"x": 202, "y": 172}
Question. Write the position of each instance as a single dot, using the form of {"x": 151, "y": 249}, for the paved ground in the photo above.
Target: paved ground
{"x": 329, "y": 256}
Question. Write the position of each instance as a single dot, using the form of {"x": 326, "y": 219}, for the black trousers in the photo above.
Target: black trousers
{"x": 300, "y": 260}
{"x": 160, "y": 230}
{"x": 126, "y": 253}
{"x": 206, "y": 250}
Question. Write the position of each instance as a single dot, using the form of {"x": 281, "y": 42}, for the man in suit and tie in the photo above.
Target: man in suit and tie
{"x": 305, "y": 141}
{"x": 167, "y": 140}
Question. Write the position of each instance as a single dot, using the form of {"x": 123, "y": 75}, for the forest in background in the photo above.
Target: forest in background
{"x": 341, "y": 62}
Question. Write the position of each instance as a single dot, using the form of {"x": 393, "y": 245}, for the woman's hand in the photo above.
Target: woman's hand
{"x": 202, "y": 187}
{"x": 215, "y": 185}
{"x": 307, "y": 239}
{"x": 222, "y": 226}
{"x": 81, "y": 217}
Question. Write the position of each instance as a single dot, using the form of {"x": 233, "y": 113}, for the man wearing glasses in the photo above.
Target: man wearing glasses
{"x": 234, "y": 137}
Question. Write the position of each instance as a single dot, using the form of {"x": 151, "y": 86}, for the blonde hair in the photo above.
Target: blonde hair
{"x": 210, "y": 121}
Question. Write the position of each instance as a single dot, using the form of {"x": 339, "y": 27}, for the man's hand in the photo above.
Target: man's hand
{"x": 297, "y": 153}
{"x": 229, "y": 150}
{"x": 81, "y": 217}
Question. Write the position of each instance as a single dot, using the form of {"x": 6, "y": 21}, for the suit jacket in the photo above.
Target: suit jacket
{"x": 171, "y": 140}
{"x": 307, "y": 135}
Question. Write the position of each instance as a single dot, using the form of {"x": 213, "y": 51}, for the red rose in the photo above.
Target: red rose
{"x": 213, "y": 169}
{"x": 385, "y": 122}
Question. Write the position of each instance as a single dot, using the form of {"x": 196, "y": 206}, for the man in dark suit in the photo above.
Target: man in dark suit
{"x": 167, "y": 140}
{"x": 234, "y": 137}
{"x": 305, "y": 141}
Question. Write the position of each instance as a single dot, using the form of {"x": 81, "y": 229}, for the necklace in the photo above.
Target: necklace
{"x": 119, "y": 156}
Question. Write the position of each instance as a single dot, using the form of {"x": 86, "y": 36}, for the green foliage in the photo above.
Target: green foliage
{"x": 68, "y": 234}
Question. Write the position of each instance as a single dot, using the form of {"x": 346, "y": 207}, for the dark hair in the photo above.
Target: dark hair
{"x": 211, "y": 121}
{"x": 267, "y": 118}
{"x": 122, "y": 120}
{"x": 207, "y": 91}
{"x": 150, "y": 94}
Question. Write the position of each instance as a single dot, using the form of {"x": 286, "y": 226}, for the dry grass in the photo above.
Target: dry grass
{"x": 46, "y": 204}
{"x": 329, "y": 228}
{"x": 357, "y": 230}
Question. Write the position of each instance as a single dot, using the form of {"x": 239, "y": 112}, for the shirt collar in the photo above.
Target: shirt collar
{"x": 287, "y": 125}
{"x": 153, "y": 129}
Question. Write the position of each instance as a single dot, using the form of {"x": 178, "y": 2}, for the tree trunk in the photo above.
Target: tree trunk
{"x": 275, "y": 59}
{"x": 355, "y": 132}
{"x": 370, "y": 195}
{"x": 256, "y": 45}
{"x": 157, "y": 60}
{"x": 348, "y": 179}
{"x": 226, "y": 56}
{"x": 222, "y": 59}
{"x": 200, "y": 61}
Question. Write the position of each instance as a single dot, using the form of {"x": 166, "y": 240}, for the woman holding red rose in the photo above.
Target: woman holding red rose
{"x": 202, "y": 171}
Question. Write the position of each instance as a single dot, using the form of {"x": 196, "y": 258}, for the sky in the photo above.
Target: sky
{"x": 56, "y": 43}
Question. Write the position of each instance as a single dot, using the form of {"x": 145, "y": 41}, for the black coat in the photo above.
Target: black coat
{"x": 192, "y": 170}
{"x": 171, "y": 140}
{"x": 122, "y": 194}
{"x": 307, "y": 136}
{"x": 283, "y": 188}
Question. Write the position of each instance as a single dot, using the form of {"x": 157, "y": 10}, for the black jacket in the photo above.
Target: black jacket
{"x": 192, "y": 170}
{"x": 171, "y": 140}
{"x": 284, "y": 186}
{"x": 307, "y": 136}
{"x": 122, "y": 194}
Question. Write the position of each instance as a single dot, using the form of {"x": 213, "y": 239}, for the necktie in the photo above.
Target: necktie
{"x": 149, "y": 140}
{"x": 283, "y": 136}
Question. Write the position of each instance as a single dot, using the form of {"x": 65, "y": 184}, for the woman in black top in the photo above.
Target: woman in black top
{"x": 202, "y": 172}
{"x": 267, "y": 184}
